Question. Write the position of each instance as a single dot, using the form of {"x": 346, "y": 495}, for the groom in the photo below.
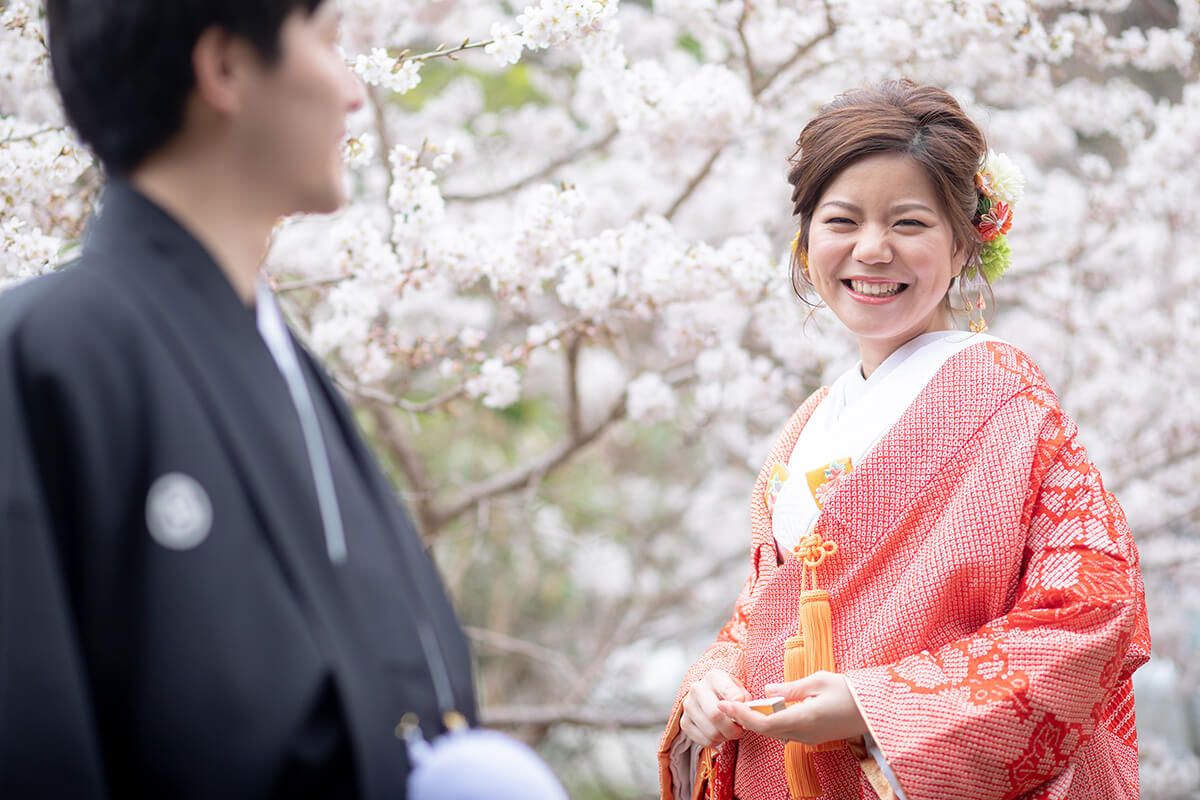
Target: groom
{"x": 207, "y": 587}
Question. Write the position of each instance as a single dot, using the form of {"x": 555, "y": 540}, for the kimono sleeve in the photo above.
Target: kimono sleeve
{"x": 725, "y": 654}
{"x": 48, "y": 741}
{"x": 1008, "y": 710}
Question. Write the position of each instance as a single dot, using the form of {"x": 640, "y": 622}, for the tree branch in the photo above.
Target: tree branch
{"x": 751, "y": 70}
{"x": 800, "y": 53}
{"x": 27, "y": 137}
{"x": 410, "y": 464}
{"x": 441, "y": 52}
{"x": 511, "y": 644}
{"x": 544, "y": 716}
{"x": 518, "y": 477}
{"x": 550, "y": 168}
{"x": 574, "y": 407}
{"x": 1168, "y": 459}
{"x": 311, "y": 283}
{"x": 755, "y": 91}
{"x": 695, "y": 182}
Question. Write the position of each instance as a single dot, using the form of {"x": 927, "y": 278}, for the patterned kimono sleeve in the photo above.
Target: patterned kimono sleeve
{"x": 1011, "y": 710}
{"x": 724, "y": 654}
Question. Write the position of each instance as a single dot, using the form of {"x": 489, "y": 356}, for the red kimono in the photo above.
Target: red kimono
{"x": 988, "y": 611}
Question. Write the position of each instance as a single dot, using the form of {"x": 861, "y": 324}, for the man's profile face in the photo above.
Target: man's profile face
{"x": 291, "y": 131}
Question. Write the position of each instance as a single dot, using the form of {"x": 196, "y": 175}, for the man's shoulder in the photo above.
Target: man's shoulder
{"x": 73, "y": 314}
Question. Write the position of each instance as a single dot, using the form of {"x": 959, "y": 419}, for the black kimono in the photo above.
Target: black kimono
{"x": 171, "y": 623}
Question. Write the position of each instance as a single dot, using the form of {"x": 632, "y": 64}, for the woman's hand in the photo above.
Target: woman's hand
{"x": 826, "y": 711}
{"x": 702, "y": 722}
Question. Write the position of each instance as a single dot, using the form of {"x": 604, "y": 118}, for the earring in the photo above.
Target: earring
{"x": 801, "y": 255}
{"x": 978, "y": 325}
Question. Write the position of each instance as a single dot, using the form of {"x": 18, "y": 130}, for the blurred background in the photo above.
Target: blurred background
{"x": 559, "y": 303}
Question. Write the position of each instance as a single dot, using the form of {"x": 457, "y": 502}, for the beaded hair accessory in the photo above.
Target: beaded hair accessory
{"x": 1000, "y": 185}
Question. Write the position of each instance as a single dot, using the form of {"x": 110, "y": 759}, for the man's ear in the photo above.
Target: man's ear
{"x": 222, "y": 64}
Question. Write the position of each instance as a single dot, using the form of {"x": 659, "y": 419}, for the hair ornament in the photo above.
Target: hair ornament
{"x": 1000, "y": 184}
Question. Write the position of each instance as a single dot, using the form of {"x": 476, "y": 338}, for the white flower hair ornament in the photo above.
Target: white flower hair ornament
{"x": 1000, "y": 185}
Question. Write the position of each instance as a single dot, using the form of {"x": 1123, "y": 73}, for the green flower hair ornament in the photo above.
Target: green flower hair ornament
{"x": 995, "y": 257}
{"x": 1000, "y": 185}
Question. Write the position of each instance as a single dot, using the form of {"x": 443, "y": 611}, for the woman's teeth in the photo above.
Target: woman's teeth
{"x": 873, "y": 289}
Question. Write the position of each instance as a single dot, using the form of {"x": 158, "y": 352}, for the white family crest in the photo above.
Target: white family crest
{"x": 179, "y": 513}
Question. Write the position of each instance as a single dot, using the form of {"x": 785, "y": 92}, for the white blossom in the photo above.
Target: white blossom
{"x": 507, "y": 43}
{"x": 379, "y": 68}
{"x": 359, "y": 150}
{"x": 497, "y": 384}
{"x": 472, "y": 338}
{"x": 615, "y": 204}
{"x": 649, "y": 398}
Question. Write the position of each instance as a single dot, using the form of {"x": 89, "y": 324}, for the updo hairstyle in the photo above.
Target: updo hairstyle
{"x": 895, "y": 116}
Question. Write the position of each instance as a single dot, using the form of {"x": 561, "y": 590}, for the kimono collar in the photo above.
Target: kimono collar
{"x": 131, "y": 229}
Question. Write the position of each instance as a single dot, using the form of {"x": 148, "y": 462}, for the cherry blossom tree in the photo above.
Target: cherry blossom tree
{"x": 559, "y": 298}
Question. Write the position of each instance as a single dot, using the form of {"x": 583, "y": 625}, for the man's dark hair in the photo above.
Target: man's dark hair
{"x": 124, "y": 67}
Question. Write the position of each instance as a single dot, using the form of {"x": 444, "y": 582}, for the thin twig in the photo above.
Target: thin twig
{"x": 544, "y": 716}
{"x": 380, "y": 396}
{"x": 511, "y": 644}
{"x": 311, "y": 283}
{"x": 26, "y": 137}
{"x": 574, "y": 406}
{"x": 1185, "y": 562}
{"x": 385, "y": 151}
{"x": 412, "y": 467}
{"x": 695, "y": 182}
{"x": 1169, "y": 458}
{"x": 800, "y": 53}
{"x": 453, "y": 393}
{"x": 755, "y": 91}
{"x": 751, "y": 70}
{"x": 549, "y": 169}
{"x": 516, "y": 478}
{"x": 441, "y": 52}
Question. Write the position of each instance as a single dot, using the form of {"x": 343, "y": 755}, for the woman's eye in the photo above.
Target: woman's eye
{"x": 839, "y": 221}
{"x": 912, "y": 222}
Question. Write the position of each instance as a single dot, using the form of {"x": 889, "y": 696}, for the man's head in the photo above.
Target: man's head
{"x": 259, "y": 83}
{"x": 125, "y": 67}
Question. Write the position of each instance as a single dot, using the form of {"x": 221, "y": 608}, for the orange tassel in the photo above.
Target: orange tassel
{"x": 816, "y": 625}
{"x": 802, "y": 779}
{"x": 793, "y": 658}
{"x": 797, "y": 757}
{"x": 809, "y": 651}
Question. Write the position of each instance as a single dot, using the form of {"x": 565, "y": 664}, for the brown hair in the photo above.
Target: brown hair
{"x": 895, "y": 116}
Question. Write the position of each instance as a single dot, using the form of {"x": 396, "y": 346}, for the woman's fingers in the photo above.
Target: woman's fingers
{"x": 769, "y": 725}
{"x": 721, "y": 724}
{"x": 725, "y": 686}
{"x": 695, "y": 733}
{"x": 822, "y": 710}
{"x": 702, "y": 721}
{"x": 794, "y": 691}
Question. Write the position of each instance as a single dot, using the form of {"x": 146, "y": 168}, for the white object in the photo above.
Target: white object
{"x": 480, "y": 765}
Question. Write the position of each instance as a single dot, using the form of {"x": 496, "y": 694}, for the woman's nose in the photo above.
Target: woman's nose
{"x": 872, "y": 246}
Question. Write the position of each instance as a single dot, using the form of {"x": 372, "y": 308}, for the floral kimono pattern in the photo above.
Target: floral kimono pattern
{"x": 988, "y": 611}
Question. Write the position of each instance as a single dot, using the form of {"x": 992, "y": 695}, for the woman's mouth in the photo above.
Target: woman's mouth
{"x": 874, "y": 288}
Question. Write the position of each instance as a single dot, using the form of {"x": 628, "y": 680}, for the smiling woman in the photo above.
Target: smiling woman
{"x": 941, "y": 588}
{"x": 882, "y": 254}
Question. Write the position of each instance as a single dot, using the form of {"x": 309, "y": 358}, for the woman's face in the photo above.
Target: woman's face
{"x": 881, "y": 253}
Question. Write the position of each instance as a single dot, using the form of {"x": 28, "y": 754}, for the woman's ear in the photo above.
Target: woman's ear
{"x": 958, "y": 257}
